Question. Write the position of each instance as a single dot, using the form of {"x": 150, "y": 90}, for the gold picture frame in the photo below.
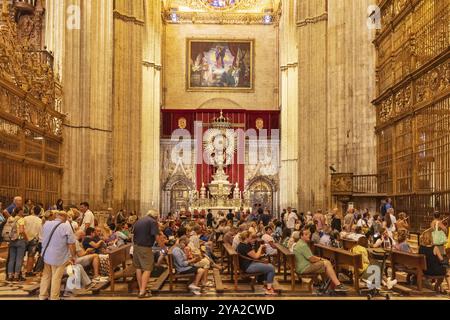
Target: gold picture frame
{"x": 228, "y": 65}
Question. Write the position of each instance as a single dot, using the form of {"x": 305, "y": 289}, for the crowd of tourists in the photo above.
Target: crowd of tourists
{"x": 69, "y": 240}
{"x": 44, "y": 242}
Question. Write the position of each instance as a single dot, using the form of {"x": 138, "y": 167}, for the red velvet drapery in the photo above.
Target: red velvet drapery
{"x": 247, "y": 118}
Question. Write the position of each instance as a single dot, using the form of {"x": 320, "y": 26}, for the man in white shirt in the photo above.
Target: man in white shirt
{"x": 292, "y": 218}
{"x": 87, "y": 217}
{"x": 33, "y": 227}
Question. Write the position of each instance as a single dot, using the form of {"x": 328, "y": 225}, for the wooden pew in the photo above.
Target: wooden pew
{"x": 228, "y": 254}
{"x": 118, "y": 258}
{"x": 412, "y": 263}
{"x": 341, "y": 257}
{"x": 173, "y": 275}
{"x": 288, "y": 258}
{"x": 233, "y": 260}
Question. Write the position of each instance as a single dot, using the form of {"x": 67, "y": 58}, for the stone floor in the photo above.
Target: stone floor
{"x": 29, "y": 291}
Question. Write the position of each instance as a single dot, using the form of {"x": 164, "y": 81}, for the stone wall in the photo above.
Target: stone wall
{"x": 266, "y": 93}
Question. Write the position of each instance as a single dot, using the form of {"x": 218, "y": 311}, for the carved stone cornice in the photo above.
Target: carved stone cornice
{"x": 154, "y": 65}
{"x": 126, "y": 18}
{"x": 312, "y": 20}
{"x": 220, "y": 18}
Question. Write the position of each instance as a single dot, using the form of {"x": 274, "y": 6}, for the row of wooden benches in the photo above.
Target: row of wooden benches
{"x": 399, "y": 261}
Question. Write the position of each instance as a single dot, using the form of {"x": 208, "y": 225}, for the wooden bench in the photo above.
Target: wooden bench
{"x": 413, "y": 263}
{"x": 287, "y": 258}
{"x": 119, "y": 258}
{"x": 173, "y": 275}
{"x": 234, "y": 268}
{"x": 227, "y": 256}
{"x": 341, "y": 257}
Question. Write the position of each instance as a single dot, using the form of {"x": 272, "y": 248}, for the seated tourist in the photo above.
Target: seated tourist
{"x": 325, "y": 239}
{"x": 271, "y": 250}
{"x": 361, "y": 248}
{"x": 122, "y": 237}
{"x": 86, "y": 258}
{"x": 92, "y": 240}
{"x": 248, "y": 260}
{"x": 402, "y": 223}
{"x": 433, "y": 257}
{"x": 162, "y": 249}
{"x": 384, "y": 241}
{"x": 237, "y": 237}
{"x": 285, "y": 237}
{"x": 220, "y": 230}
{"x": 278, "y": 230}
{"x": 293, "y": 240}
{"x": 228, "y": 237}
{"x": 185, "y": 266}
{"x": 17, "y": 245}
{"x": 315, "y": 238}
{"x": 307, "y": 263}
{"x": 253, "y": 229}
{"x": 402, "y": 244}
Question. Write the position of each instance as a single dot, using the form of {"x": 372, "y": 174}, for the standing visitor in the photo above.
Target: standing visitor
{"x": 145, "y": 232}
{"x": 87, "y": 219}
{"x": 58, "y": 251}
{"x": 33, "y": 227}
{"x": 17, "y": 245}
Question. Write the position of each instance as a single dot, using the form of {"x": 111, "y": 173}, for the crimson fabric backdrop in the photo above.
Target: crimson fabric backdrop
{"x": 245, "y": 118}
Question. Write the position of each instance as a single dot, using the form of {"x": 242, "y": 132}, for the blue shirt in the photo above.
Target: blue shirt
{"x": 58, "y": 251}
{"x": 180, "y": 260}
{"x": 11, "y": 208}
{"x": 145, "y": 232}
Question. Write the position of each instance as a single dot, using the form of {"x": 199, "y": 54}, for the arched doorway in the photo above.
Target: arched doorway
{"x": 180, "y": 197}
{"x": 262, "y": 193}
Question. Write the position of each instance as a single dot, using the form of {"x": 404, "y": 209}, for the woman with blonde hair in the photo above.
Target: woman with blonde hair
{"x": 433, "y": 258}
{"x": 402, "y": 223}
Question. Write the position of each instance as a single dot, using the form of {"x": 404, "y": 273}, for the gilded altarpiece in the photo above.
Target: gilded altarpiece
{"x": 30, "y": 97}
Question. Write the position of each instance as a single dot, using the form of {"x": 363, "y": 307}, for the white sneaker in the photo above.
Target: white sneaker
{"x": 196, "y": 292}
{"x": 194, "y": 287}
{"x": 391, "y": 283}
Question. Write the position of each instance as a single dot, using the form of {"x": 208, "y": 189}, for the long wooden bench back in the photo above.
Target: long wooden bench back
{"x": 118, "y": 258}
{"x": 342, "y": 257}
{"x": 410, "y": 262}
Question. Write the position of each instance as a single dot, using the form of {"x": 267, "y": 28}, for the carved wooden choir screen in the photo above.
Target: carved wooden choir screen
{"x": 30, "y": 124}
{"x": 413, "y": 107}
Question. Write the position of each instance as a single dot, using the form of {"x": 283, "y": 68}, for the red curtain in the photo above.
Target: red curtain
{"x": 205, "y": 172}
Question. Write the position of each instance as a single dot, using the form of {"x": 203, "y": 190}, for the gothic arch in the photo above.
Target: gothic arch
{"x": 174, "y": 180}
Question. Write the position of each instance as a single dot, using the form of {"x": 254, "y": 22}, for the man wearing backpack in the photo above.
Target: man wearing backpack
{"x": 58, "y": 251}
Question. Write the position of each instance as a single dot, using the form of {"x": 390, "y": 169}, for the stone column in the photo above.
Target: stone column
{"x": 351, "y": 88}
{"x": 289, "y": 106}
{"x": 312, "y": 79}
{"x": 127, "y": 102}
{"x": 150, "y": 111}
{"x": 84, "y": 58}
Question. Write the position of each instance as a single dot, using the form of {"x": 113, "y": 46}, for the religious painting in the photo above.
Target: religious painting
{"x": 220, "y": 65}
